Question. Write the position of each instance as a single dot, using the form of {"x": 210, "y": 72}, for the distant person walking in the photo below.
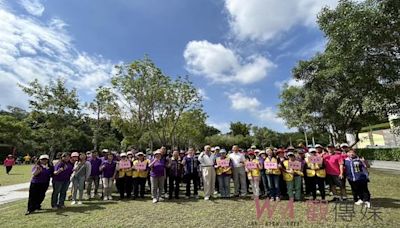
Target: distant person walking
{"x": 8, "y": 163}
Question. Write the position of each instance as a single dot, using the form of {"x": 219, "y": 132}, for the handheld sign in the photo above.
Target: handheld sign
{"x": 316, "y": 159}
{"x": 251, "y": 165}
{"x": 270, "y": 165}
{"x": 223, "y": 163}
{"x": 124, "y": 164}
{"x": 296, "y": 165}
{"x": 141, "y": 166}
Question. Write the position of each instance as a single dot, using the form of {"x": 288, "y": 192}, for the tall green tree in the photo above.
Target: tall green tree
{"x": 53, "y": 106}
{"x": 239, "y": 128}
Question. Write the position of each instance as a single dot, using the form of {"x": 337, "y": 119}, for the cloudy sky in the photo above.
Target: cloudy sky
{"x": 238, "y": 53}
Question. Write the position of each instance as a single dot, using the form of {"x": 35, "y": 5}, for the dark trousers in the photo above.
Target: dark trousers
{"x": 8, "y": 169}
{"x": 37, "y": 192}
{"x": 189, "y": 178}
{"x": 166, "y": 181}
{"x": 174, "y": 182}
{"x": 314, "y": 181}
{"x": 125, "y": 186}
{"x": 360, "y": 190}
{"x": 307, "y": 184}
{"x": 138, "y": 186}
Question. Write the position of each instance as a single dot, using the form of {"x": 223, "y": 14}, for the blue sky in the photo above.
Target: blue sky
{"x": 238, "y": 53}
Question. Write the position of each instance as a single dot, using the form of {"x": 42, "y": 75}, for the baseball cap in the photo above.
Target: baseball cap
{"x": 44, "y": 156}
{"x": 290, "y": 153}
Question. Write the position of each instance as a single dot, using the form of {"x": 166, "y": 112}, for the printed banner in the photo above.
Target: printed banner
{"x": 316, "y": 159}
{"x": 270, "y": 165}
{"x": 223, "y": 163}
{"x": 251, "y": 165}
{"x": 296, "y": 165}
{"x": 124, "y": 164}
{"x": 141, "y": 166}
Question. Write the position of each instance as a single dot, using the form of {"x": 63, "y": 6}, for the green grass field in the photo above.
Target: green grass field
{"x": 19, "y": 174}
{"x": 384, "y": 187}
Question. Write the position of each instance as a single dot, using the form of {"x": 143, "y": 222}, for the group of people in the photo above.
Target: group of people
{"x": 274, "y": 173}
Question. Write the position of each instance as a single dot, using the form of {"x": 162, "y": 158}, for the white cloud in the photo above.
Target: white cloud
{"x": 222, "y": 65}
{"x": 31, "y": 49}
{"x": 290, "y": 82}
{"x": 222, "y": 126}
{"x": 33, "y": 7}
{"x": 263, "y": 20}
{"x": 203, "y": 94}
{"x": 240, "y": 101}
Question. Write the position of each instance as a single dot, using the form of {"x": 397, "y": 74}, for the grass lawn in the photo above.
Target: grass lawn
{"x": 19, "y": 174}
{"x": 384, "y": 187}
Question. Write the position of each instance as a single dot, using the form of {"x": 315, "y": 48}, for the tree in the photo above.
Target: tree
{"x": 239, "y": 128}
{"x": 264, "y": 137}
{"x": 103, "y": 103}
{"x": 14, "y": 132}
{"x": 151, "y": 103}
{"x": 353, "y": 83}
{"x": 53, "y": 106}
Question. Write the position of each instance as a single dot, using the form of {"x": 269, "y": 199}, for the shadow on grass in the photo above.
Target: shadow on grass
{"x": 84, "y": 208}
{"x": 385, "y": 202}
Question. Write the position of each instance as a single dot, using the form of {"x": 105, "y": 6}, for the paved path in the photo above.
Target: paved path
{"x": 13, "y": 192}
{"x": 385, "y": 165}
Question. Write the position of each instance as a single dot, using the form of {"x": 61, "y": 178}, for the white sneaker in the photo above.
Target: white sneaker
{"x": 73, "y": 202}
{"x": 105, "y": 198}
{"x": 79, "y": 202}
{"x": 110, "y": 198}
{"x": 215, "y": 193}
{"x": 359, "y": 202}
{"x": 187, "y": 197}
{"x": 160, "y": 199}
{"x": 206, "y": 198}
{"x": 154, "y": 200}
{"x": 166, "y": 195}
{"x": 367, "y": 204}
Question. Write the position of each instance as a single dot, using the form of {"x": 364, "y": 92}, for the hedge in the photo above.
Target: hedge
{"x": 384, "y": 154}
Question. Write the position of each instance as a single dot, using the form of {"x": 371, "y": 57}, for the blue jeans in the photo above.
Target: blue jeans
{"x": 60, "y": 189}
{"x": 224, "y": 185}
{"x": 273, "y": 184}
{"x": 78, "y": 183}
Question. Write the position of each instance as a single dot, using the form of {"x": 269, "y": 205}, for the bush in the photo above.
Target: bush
{"x": 384, "y": 154}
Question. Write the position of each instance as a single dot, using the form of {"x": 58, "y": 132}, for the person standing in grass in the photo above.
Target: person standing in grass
{"x": 191, "y": 175}
{"x": 175, "y": 174}
{"x": 223, "y": 167}
{"x": 292, "y": 175}
{"x": 8, "y": 163}
{"x": 206, "y": 160}
{"x": 82, "y": 171}
{"x": 157, "y": 175}
{"x": 94, "y": 177}
{"x": 334, "y": 172}
{"x": 253, "y": 168}
{"x": 124, "y": 169}
{"x": 357, "y": 175}
{"x": 239, "y": 173}
{"x": 41, "y": 172}
{"x": 61, "y": 179}
{"x": 108, "y": 169}
{"x": 140, "y": 173}
{"x": 315, "y": 171}
{"x": 272, "y": 170}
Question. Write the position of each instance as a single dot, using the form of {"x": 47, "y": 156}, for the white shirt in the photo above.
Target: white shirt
{"x": 206, "y": 160}
{"x": 236, "y": 159}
